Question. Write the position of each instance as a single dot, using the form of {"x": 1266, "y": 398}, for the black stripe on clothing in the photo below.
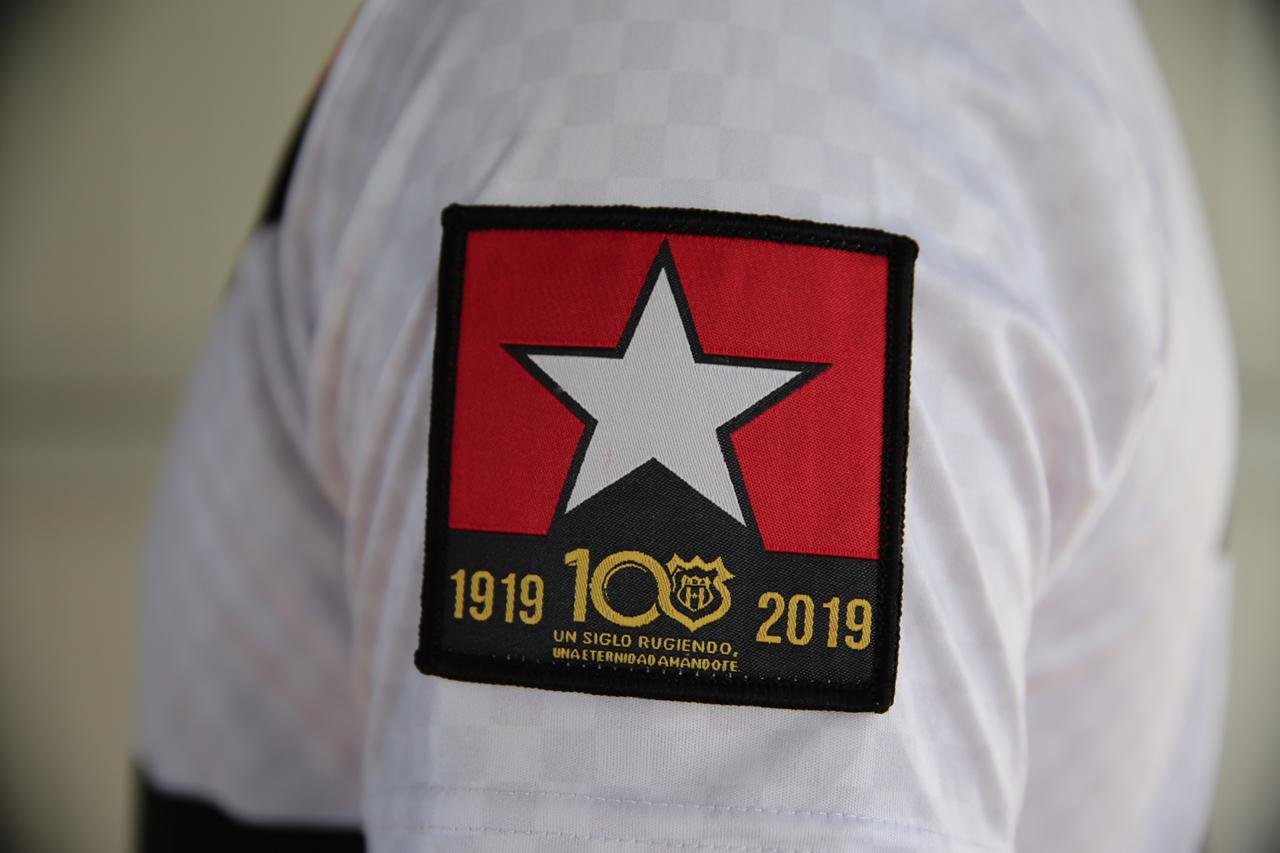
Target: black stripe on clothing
{"x": 172, "y": 823}
{"x": 273, "y": 210}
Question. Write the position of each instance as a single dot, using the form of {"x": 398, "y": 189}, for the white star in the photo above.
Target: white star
{"x": 657, "y": 401}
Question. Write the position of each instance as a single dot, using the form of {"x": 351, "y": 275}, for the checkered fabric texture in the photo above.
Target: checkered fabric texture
{"x": 1072, "y": 421}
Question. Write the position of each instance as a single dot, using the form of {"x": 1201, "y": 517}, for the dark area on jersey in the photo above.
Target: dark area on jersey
{"x": 273, "y": 209}
{"x": 169, "y": 823}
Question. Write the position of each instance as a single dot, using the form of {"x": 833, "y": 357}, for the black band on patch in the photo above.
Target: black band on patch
{"x": 170, "y": 822}
{"x": 667, "y": 456}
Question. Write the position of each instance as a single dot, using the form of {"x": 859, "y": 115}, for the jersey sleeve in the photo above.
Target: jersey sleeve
{"x": 249, "y": 725}
{"x": 1064, "y": 319}
{"x": 1066, "y": 473}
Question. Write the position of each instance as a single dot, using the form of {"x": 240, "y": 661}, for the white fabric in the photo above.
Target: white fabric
{"x": 1072, "y": 423}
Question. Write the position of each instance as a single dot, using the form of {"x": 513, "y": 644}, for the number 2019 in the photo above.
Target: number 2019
{"x": 799, "y": 612}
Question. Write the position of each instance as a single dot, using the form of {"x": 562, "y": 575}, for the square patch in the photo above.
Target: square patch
{"x": 668, "y": 456}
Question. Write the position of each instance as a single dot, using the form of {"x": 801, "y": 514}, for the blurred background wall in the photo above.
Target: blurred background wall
{"x": 136, "y": 140}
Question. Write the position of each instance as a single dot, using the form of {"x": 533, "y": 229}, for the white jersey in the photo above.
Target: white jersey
{"x": 1060, "y": 659}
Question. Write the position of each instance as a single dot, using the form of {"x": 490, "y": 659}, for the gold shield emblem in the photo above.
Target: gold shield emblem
{"x": 698, "y": 593}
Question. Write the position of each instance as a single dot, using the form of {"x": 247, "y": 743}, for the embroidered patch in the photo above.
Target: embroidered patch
{"x": 667, "y": 456}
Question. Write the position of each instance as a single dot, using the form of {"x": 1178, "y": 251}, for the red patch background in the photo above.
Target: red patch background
{"x": 811, "y": 463}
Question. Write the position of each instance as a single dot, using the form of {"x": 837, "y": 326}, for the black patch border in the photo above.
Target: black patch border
{"x": 874, "y": 694}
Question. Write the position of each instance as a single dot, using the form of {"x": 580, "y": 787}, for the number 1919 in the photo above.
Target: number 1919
{"x": 479, "y": 598}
